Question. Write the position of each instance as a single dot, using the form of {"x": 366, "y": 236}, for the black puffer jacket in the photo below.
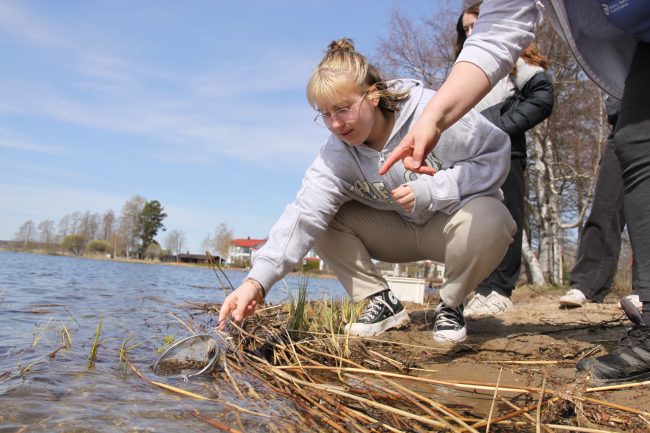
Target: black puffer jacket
{"x": 523, "y": 110}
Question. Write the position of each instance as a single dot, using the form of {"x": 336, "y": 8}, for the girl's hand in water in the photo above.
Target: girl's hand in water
{"x": 241, "y": 303}
{"x": 405, "y": 197}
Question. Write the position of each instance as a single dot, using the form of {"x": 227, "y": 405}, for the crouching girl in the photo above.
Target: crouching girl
{"x": 351, "y": 215}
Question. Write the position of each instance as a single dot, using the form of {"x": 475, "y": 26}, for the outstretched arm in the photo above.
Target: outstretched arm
{"x": 466, "y": 85}
{"x": 503, "y": 30}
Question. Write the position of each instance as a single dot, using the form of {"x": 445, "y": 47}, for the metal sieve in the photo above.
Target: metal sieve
{"x": 191, "y": 356}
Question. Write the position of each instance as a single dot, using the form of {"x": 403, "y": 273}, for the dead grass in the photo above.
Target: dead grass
{"x": 332, "y": 382}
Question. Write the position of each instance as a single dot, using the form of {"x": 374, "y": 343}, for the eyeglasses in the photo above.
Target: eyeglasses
{"x": 345, "y": 115}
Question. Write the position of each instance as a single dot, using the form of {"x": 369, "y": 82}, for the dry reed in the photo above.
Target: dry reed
{"x": 330, "y": 382}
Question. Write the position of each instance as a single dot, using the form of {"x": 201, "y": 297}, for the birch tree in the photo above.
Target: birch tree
{"x": 26, "y": 234}
{"x": 89, "y": 224}
{"x": 422, "y": 49}
{"x": 69, "y": 224}
{"x": 129, "y": 227}
{"x": 223, "y": 240}
{"x": 107, "y": 225}
{"x": 175, "y": 241}
{"x": 47, "y": 233}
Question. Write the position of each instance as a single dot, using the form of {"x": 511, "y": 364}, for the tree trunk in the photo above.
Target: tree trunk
{"x": 548, "y": 212}
{"x": 532, "y": 264}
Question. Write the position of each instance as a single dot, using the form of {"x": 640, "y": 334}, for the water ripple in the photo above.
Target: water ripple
{"x": 48, "y": 301}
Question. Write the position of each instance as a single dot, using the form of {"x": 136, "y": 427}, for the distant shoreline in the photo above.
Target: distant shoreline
{"x": 153, "y": 262}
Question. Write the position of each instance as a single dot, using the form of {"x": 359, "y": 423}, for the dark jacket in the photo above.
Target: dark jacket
{"x": 522, "y": 111}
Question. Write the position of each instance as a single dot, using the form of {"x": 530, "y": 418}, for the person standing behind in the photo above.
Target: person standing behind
{"x": 600, "y": 241}
{"x": 518, "y": 102}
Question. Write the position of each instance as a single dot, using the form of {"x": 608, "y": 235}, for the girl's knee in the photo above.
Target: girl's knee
{"x": 488, "y": 222}
{"x": 494, "y": 214}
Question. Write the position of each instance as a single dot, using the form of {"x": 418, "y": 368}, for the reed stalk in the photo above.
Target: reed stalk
{"x": 65, "y": 336}
{"x": 92, "y": 356}
{"x": 125, "y": 352}
{"x": 296, "y": 322}
{"x": 494, "y": 399}
{"x": 29, "y": 366}
{"x": 525, "y": 414}
{"x": 215, "y": 423}
{"x": 539, "y": 406}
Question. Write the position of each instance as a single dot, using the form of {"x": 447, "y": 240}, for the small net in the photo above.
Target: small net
{"x": 191, "y": 356}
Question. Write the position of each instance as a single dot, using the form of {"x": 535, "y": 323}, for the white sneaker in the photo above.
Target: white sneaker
{"x": 573, "y": 298}
{"x": 635, "y": 300}
{"x": 493, "y": 304}
{"x": 473, "y": 304}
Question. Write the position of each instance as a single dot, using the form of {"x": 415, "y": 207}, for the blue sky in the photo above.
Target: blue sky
{"x": 199, "y": 105}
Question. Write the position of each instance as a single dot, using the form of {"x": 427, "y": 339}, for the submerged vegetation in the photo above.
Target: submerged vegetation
{"x": 97, "y": 343}
{"x": 167, "y": 340}
{"x": 125, "y": 352}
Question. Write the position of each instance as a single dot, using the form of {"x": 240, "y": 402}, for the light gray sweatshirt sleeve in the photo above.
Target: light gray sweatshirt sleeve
{"x": 301, "y": 223}
{"x": 476, "y": 158}
{"x": 504, "y": 29}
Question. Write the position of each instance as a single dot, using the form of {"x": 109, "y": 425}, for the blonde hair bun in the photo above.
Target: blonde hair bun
{"x": 343, "y": 44}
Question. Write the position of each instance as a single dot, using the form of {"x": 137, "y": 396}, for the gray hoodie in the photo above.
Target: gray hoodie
{"x": 473, "y": 157}
{"x": 505, "y": 28}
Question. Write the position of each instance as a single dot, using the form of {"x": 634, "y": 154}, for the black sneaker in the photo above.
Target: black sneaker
{"x": 449, "y": 325}
{"x": 384, "y": 312}
{"x": 630, "y": 362}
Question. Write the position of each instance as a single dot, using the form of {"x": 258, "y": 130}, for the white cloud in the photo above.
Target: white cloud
{"x": 53, "y": 201}
{"x": 10, "y": 141}
{"x": 22, "y": 24}
{"x": 263, "y": 134}
{"x": 263, "y": 72}
{"x": 28, "y": 171}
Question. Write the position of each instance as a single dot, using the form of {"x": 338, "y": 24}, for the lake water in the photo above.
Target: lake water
{"x": 40, "y": 296}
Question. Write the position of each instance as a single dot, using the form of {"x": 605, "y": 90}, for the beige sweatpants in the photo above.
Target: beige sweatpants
{"x": 471, "y": 243}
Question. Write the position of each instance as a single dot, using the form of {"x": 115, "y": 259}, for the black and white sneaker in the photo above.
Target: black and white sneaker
{"x": 384, "y": 312}
{"x": 449, "y": 325}
{"x": 630, "y": 362}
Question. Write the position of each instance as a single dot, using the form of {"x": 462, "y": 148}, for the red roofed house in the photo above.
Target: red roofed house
{"x": 241, "y": 250}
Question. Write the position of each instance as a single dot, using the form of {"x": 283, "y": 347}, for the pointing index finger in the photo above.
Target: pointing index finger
{"x": 400, "y": 152}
